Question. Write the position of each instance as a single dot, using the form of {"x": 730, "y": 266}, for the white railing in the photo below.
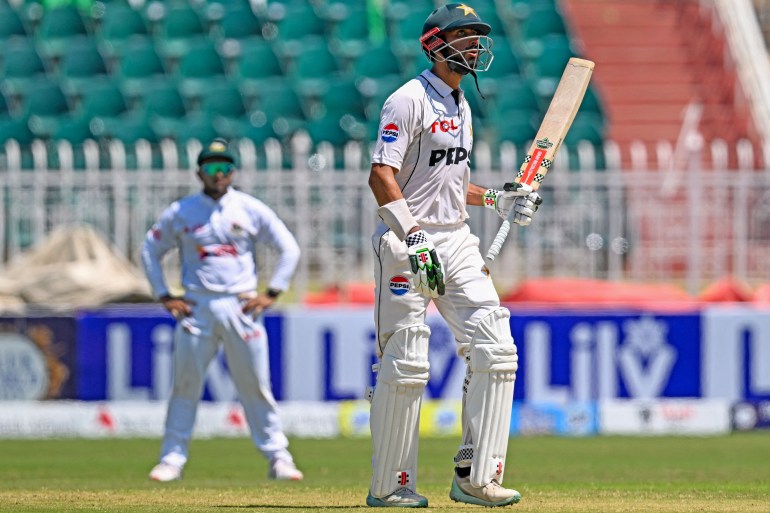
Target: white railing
{"x": 614, "y": 223}
{"x": 749, "y": 52}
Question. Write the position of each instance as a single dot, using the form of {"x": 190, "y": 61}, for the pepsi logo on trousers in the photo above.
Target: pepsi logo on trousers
{"x": 399, "y": 285}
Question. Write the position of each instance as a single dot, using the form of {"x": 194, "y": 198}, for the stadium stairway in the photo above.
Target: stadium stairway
{"x": 653, "y": 58}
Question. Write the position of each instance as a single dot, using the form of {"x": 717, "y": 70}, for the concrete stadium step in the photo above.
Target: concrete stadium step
{"x": 654, "y": 57}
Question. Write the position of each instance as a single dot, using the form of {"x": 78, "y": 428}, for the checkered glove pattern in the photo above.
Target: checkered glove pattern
{"x": 427, "y": 271}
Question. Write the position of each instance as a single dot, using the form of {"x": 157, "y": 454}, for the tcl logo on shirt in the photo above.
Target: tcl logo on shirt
{"x": 451, "y": 155}
{"x": 445, "y": 125}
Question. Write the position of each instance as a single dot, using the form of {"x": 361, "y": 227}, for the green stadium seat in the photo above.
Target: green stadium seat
{"x": 351, "y": 35}
{"x": 163, "y": 99}
{"x": 119, "y": 25}
{"x": 44, "y": 103}
{"x": 102, "y": 99}
{"x": 58, "y": 27}
{"x": 327, "y": 129}
{"x": 15, "y": 129}
{"x": 80, "y": 64}
{"x": 409, "y": 29}
{"x": 489, "y": 14}
{"x": 22, "y": 65}
{"x": 256, "y": 64}
{"x": 376, "y": 92}
{"x": 506, "y": 61}
{"x": 5, "y": 108}
{"x": 223, "y": 99}
{"x": 399, "y": 9}
{"x": 542, "y": 21}
{"x": 296, "y": 21}
{"x": 74, "y": 130}
{"x": 376, "y": 62}
{"x": 343, "y": 97}
{"x": 239, "y": 23}
{"x": 257, "y": 129}
{"x": 518, "y": 128}
{"x": 592, "y": 102}
{"x": 477, "y": 104}
{"x": 199, "y": 126}
{"x": 11, "y": 25}
{"x": 515, "y": 95}
{"x": 313, "y": 67}
{"x": 587, "y": 126}
{"x": 280, "y": 105}
{"x": 128, "y": 130}
{"x": 199, "y": 67}
{"x": 180, "y": 28}
{"x": 413, "y": 66}
{"x": 548, "y": 62}
{"x": 139, "y": 65}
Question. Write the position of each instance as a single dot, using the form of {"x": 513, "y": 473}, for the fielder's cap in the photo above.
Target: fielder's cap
{"x": 216, "y": 149}
{"x": 455, "y": 16}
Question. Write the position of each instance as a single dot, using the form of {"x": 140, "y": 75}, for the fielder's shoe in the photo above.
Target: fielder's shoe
{"x": 401, "y": 498}
{"x": 490, "y": 495}
{"x": 165, "y": 472}
{"x": 284, "y": 470}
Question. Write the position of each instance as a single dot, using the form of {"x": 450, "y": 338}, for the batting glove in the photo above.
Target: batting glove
{"x": 519, "y": 197}
{"x": 427, "y": 273}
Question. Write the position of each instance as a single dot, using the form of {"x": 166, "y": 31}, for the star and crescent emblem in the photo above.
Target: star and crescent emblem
{"x": 466, "y": 9}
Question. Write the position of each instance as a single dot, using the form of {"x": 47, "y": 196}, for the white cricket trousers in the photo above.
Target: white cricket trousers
{"x": 217, "y": 319}
{"x": 470, "y": 294}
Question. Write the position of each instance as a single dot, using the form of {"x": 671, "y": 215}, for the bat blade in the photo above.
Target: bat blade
{"x": 556, "y": 123}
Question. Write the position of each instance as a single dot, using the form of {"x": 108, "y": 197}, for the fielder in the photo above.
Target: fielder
{"x": 216, "y": 232}
{"x": 420, "y": 178}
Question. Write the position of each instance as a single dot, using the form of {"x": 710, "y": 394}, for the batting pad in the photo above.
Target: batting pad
{"x": 489, "y": 397}
{"x": 395, "y": 411}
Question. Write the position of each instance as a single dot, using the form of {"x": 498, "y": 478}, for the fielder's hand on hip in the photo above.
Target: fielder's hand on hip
{"x": 178, "y": 307}
{"x": 517, "y": 197}
{"x": 427, "y": 271}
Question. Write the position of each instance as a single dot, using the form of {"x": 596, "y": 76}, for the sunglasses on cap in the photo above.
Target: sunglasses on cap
{"x": 212, "y": 168}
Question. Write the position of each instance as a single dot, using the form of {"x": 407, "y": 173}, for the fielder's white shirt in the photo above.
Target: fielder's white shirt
{"x": 428, "y": 137}
{"x": 217, "y": 241}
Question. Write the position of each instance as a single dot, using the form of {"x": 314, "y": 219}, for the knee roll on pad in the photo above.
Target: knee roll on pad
{"x": 395, "y": 410}
{"x": 489, "y": 396}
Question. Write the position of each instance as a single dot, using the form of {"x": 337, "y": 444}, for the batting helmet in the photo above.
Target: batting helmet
{"x": 452, "y": 17}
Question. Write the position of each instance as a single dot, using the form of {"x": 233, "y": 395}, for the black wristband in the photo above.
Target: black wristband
{"x": 273, "y": 293}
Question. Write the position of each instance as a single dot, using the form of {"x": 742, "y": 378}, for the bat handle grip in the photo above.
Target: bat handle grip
{"x": 502, "y": 234}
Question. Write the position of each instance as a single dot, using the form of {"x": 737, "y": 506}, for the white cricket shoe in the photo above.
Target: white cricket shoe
{"x": 492, "y": 494}
{"x": 165, "y": 472}
{"x": 401, "y": 498}
{"x": 284, "y": 470}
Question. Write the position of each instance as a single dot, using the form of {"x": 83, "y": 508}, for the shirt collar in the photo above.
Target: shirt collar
{"x": 439, "y": 85}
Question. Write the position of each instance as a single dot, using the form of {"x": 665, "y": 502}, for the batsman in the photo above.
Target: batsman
{"x": 420, "y": 178}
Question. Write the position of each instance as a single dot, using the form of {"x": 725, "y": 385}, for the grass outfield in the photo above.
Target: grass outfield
{"x": 603, "y": 474}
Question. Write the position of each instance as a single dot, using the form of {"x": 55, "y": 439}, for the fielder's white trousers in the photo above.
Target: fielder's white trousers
{"x": 470, "y": 294}
{"x": 217, "y": 319}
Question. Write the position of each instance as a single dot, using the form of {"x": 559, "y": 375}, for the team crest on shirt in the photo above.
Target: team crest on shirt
{"x": 389, "y": 133}
{"x": 236, "y": 229}
{"x": 399, "y": 285}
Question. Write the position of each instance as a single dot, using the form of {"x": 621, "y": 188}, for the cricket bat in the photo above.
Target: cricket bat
{"x": 558, "y": 118}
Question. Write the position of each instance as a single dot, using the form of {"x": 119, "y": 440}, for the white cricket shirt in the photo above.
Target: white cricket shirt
{"x": 428, "y": 137}
{"x": 216, "y": 241}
